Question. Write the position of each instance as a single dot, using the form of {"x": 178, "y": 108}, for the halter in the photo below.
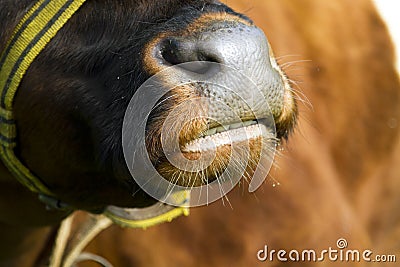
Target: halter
{"x": 36, "y": 29}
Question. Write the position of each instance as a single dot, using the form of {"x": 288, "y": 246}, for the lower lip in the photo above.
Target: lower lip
{"x": 226, "y": 138}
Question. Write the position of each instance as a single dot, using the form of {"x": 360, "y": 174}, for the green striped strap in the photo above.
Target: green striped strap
{"x": 39, "y": 25}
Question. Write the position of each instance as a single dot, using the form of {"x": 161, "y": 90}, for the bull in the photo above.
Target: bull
{"x": 62, "y": 113}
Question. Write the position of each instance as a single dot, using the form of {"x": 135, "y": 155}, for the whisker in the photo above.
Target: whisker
{"x": 300, "y": 96}
{"x": 162, "y": 102}
{"x": 286, "y": 65}
{"x": 286, "y": 56}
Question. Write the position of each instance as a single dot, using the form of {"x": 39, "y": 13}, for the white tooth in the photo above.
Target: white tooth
{"x": 225, "y": 138}
{"x": 249, "y": 123}
{"x": 210, "y": 132}
{"x": 221, "y": 129}
{"x": 236, "y": 125}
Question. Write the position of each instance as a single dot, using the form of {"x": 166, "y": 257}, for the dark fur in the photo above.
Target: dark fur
{"x": 70, "y": 105}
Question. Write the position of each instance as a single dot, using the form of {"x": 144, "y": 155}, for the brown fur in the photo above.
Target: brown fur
{"x": 339, "y": 173}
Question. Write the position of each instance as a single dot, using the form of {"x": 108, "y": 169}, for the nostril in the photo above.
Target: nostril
{"x": 176, "y": 52}
{"x": 169, "y": 51}
{"x": 204, "y": 56}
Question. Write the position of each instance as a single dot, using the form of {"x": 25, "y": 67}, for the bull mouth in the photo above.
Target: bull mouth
{"x": 212, "y": 149}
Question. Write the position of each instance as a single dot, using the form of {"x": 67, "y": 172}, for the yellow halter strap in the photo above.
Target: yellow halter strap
{"x": 39, "y": 25}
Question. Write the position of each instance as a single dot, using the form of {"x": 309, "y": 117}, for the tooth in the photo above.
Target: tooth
{"x": 236, "y": 125}
{"x": 247, "y": 123}
{"x": 221, "y": 129}
{"x": 210, "y": 132}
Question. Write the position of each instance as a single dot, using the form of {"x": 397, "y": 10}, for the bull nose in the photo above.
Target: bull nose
{"x": 175, "y": 51}
{"x": 237, "y": 45}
